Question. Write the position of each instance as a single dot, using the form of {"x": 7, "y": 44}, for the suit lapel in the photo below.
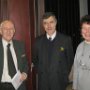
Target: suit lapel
{"x": 16, "y": 48}
{"x": 56, "y": 48}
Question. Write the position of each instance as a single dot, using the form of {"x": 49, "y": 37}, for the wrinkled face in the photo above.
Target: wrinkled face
{"x": 7, "y": 30}
{"x": 85, "y": 31}
{"x": 49, "y": 25}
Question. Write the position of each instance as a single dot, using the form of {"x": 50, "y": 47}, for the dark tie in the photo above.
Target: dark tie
{"x": 11, "y": 66}
{"x": 50, "y": 39}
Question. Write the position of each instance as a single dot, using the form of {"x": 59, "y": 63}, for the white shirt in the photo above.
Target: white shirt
{"x": 52, "y": 36}
{"x": 5, "y": 76}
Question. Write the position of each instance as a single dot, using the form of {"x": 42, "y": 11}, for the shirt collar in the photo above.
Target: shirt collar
{"x": 52, "y": 36}
{"x": 5, "y": 43}
{"x": 87, "y": 42}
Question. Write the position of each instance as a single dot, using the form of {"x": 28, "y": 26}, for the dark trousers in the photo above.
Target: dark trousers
{"x": 6, "y": 86}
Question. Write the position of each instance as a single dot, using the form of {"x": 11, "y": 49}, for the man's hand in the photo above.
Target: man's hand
{"x": 23, "y": 76}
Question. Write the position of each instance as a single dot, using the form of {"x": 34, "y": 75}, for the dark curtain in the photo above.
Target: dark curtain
{"x": 88, "y": 7}
{"x": 67, "y": 13}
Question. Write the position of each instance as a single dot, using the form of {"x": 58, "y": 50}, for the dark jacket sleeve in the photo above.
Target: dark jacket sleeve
{"x": 24, "y": 59}
{"x": 69, "y": 53}
{"x": 35, "y": 59}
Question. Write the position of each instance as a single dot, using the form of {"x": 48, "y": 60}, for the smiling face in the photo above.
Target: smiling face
{"x": 7, "y": 30}
{"x": 49, "y": 25}
{"x": 85, "y": 31}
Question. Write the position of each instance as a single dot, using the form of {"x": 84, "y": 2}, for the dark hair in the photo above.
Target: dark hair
{"x": 48, "y": 14}
{"x": 85, "y": 19}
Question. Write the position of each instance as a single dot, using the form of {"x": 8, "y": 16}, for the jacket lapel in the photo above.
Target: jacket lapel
{"x": 16, "y": 48}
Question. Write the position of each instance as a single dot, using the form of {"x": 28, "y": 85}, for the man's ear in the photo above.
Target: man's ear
{"x": 14, "y": 31}
{"x": 0, "y": 31}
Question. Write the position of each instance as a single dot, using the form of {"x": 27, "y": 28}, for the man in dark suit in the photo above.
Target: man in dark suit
{"x": 17, "y": 50}
{"x": 52, "y": 56}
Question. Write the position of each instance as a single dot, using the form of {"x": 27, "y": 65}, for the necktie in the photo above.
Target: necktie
{"x": 50, "y": 39}
{"x": 11, "y": 66}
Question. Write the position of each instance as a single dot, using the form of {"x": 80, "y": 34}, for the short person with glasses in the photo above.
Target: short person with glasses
{"x": 81, "y": 76}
